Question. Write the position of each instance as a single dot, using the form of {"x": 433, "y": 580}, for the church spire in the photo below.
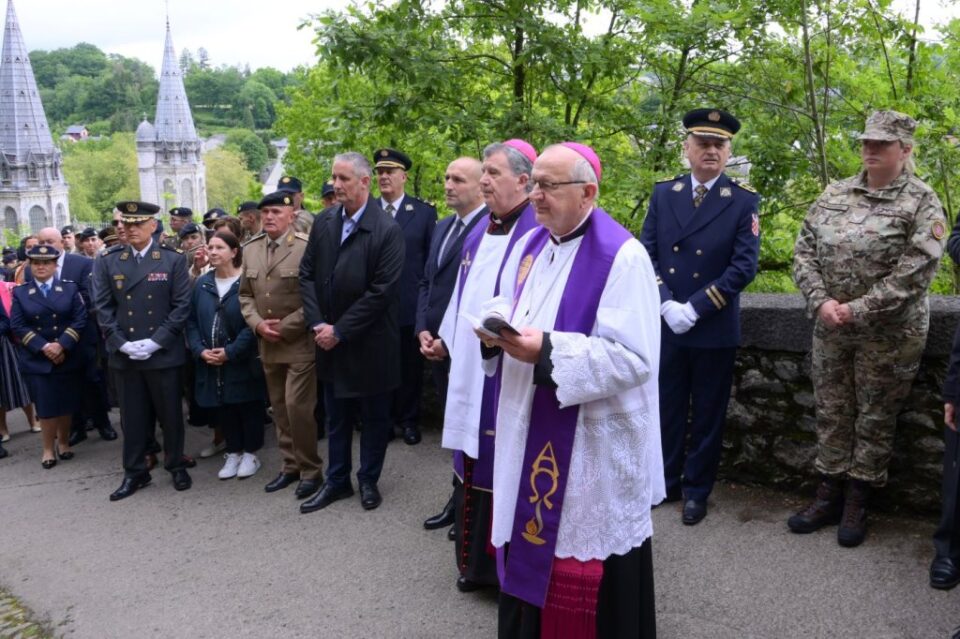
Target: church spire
{"x": 173, "y": 121}
{"x": 23, "y": 124}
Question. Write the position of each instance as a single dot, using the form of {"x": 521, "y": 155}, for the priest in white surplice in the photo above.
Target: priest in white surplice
{"x": 578, "y": 460}
{"x": 468, "y": 420}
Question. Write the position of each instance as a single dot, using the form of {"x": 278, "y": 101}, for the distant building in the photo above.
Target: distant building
{"x": 169, "y": 157}
{"x": 33, "y": 192}
{"x": 76, "y": 132}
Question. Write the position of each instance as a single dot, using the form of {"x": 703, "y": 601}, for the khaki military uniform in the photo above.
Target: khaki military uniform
{"x": 303, "y": 222}
{"x": 270, "y": 289}
{"x": 878, "y": 251}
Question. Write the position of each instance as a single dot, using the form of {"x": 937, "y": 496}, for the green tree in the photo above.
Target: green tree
{"x": 228, "y": 180}
{"x": 250, "y": 147}
{"x": 260, "y": 100}
{"x": 100, "y": 173}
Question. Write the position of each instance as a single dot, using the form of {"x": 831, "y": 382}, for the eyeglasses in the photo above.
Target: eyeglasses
{"x": 548, "y": 187}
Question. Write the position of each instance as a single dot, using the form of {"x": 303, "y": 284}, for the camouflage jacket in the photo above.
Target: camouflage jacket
{"x": 876, "y": 250}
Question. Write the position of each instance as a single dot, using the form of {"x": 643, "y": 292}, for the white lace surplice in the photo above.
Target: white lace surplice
{"x": 461, "y": 417}
{"x": 616, "y": 468}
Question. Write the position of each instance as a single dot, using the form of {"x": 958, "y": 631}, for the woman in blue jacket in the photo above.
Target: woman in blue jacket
{"x": 47, "y": 317}
{"x": 229, "y": 376}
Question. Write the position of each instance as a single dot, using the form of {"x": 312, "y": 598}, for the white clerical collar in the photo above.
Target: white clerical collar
{"x": 395, "y": 204}
{"x": 695, "y": 183}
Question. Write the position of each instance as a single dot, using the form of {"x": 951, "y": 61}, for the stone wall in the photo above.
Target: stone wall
{"x": 770, "y": 435}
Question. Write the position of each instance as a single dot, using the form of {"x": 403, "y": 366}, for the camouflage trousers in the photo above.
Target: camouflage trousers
{"x": 859, "y": 383}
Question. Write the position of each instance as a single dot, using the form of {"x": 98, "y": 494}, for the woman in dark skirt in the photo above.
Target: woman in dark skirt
{"x": 228, "y": 376}
{"x": 48, "y": 316}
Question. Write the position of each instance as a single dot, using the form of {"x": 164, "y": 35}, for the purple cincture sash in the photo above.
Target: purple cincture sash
{"x": 546, "y": 460}
{"x": 483, "y": 469}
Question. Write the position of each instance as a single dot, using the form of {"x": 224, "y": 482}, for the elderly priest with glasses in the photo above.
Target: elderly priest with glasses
{"x": 578, "y": 463}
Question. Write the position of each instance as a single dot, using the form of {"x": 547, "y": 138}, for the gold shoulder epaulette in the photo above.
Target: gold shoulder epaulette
{"x": 302, "y": 236}
{"x": 744, "y": 186}
{"x": 667, "y": 179}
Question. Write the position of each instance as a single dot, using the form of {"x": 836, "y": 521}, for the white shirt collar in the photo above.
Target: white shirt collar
{"x": 694, "y": 182}
{"x": 466, "y": 219}
{"x": 395, "y": 203}
{"x": 144, "y": 252}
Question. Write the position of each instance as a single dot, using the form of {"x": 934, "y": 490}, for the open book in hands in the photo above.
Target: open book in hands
{"x": 493, "y": 320}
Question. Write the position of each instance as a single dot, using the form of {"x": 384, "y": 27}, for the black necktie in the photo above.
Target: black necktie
{"x": 452, "y": 239}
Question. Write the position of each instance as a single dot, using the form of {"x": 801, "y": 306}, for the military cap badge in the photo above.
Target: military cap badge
{"x": 43, "y": 250}
{"x": 285, "y": 180}
{"x": 714, "y": 116}
{"x": 131, "y": 207}
{"x": 384, "y": 153}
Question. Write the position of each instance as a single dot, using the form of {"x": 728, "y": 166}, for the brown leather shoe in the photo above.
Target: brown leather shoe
{"x": 853, "y": 526}
{"x": 824, "y": 510}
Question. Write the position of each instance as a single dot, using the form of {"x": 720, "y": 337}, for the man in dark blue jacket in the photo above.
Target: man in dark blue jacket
{"x": 703, "y": 234}
{"x": 417, "y": 219}
{"x": 462, "y": 192}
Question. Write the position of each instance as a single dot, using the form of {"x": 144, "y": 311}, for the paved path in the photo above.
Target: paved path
{"x": 226, "y": 559}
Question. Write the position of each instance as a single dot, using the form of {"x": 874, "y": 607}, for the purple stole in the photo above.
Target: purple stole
{"x": 483, "y": 469}
{"x": 526, "y": 571}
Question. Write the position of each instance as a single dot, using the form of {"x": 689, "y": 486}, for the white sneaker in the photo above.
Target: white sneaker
{"x": 213, "y": 449}
{"x": 249, "y": 465}
{"x": 229, "y": 470}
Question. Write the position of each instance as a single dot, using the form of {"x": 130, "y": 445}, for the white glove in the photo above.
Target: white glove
{"x": 133, "y": 351}
{"x": 690, "y": 313}
{"x": 150, "y": 347}
{"x": 676, "y": 316}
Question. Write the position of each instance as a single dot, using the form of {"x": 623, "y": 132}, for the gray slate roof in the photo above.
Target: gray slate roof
{"x": 173, "y": 122}
{"x": 23, "y": 124}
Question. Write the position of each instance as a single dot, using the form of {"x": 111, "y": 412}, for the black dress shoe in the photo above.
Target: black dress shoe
{"x": 77, "y": 436}
{"x": 129, "y": 486}
{"x": 452, "y": 533}
{"x": 107, "y": 433}
{"x": 3, "y": 452}
{"x": 189, "y": 462}
{"x": 307, "y": 487}
{"x": 465, "y": 585}
{"x": 369, "y": 496}
{"x": 67, "y": 456}
{"x": 441, "y": 519}
{"x": 324, "y": 497}
{"x": 694, "y": 511}
{"x": 411, "y": 435}
{"x": 944, "y": 573}
{"x": 48, "y": 463}
{"x": 280, "y": 482}
{"x": 181, "y": 480}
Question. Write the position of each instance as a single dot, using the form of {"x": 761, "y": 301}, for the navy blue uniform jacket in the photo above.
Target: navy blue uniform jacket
{"x": 37, "y": 320}
{"x": 704, "y": 255}
{"x": 418, "y": 220}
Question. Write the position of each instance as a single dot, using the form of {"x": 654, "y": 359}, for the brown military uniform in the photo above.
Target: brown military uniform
{"x": 270, "y": 289}
{"x": 878, "y": 251}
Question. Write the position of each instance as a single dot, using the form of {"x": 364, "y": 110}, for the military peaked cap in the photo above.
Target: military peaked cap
{"x": 391, "y": 159}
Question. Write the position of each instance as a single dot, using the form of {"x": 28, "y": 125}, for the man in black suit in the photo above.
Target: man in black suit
{"x": 141, "y": 292}
{"x": 348, "y": 283}
{"x": 417, "y": 219}
{"x": 462, "y": 191}
{"x": 73, "y": 267}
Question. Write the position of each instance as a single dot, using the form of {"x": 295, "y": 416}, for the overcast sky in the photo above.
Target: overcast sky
{"x": 234, "y": 32}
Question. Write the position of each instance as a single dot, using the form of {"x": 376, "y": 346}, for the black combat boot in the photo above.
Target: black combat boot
{"x": 853, "y": 526}
{"x": 824, "y": 510}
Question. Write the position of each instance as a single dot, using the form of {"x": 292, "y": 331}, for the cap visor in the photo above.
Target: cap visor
{"x": 711, "y": 133}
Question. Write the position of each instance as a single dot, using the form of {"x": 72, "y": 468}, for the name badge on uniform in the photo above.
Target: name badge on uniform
{"x": 678, "y": 187}
{"x": 725, "y": 191}
{"x": 157, "y": 277}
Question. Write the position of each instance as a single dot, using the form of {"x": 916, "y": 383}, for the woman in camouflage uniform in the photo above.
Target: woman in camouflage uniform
{"x": 866, "y": 254}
